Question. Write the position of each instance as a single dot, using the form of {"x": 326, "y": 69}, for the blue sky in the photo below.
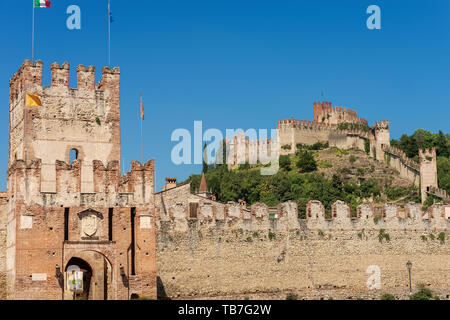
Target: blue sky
{"x": 242, "y": 63}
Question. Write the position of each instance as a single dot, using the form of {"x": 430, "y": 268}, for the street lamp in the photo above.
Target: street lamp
{"x": 409, "y": 266}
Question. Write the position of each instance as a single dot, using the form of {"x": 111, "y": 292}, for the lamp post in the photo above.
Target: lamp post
{"x": 409, "y": 266}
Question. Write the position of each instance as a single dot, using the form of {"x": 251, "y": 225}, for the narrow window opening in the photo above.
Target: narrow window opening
{"x": 193, "y": 207}
{"x": 66, "y": 224}
{"x": 73, "y": 155}
{"x": 110, "y": 223}
{"x": 133, "y": 250}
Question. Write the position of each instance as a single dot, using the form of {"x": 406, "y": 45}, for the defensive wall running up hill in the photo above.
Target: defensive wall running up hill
{"x": 340, "y": 128}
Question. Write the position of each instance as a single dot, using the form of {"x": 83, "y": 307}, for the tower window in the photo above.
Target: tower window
{"x": 133, "y": 249}
{"x": 73, "y": 155}
{"x": 110, "y": 223}
{"x": 66, "y": 224}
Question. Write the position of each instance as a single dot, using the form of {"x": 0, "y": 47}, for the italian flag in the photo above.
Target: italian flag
{"x": 42, "y": 4}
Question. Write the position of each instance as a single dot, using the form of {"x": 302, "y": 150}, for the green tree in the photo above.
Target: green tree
{"x": 443, "y": 167}
{"x": 285, "y": 162}
{"x": 306, "y": 162}
{"x": 442, "y": 145}
{"x": 205, "y": 160}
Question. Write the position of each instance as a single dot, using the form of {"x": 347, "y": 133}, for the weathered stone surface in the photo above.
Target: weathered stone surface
{"x": 274, "y": 253}
{"x": 55, "y": 211}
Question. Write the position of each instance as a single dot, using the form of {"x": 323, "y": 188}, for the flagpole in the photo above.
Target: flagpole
{"x": 109, "y": 32}
{"x": 32, "y": 35}
{"x": 142, "y": 143}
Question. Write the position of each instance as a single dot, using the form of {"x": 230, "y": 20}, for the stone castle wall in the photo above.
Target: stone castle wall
{"x": 224, "y": 264}
{"x": 3, "y": 209}
{"x": 293, "y": 131}
{"x": 407, "y": 168}
{"x": 230, "y": 251}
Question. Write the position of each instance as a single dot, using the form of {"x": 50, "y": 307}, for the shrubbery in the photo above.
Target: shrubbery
{"x": 306, "y": 162}
{"x": 387, "y": 296}
{"x": 423, "y": 293}
{"x": 285, "y": 163}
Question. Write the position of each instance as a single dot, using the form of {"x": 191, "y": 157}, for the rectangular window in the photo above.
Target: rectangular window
{"x": 110, "y": 224}
{"x": 66, "y": 224}
{"x": 193, "y": 208}
{"x": 133, "y": 249}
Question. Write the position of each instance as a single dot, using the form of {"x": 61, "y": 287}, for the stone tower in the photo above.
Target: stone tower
{"x": 382, "y": 137}
{"x": 64, "y": 211}
{"x": 85, "y": 120}
{"x": 428, "y": 171}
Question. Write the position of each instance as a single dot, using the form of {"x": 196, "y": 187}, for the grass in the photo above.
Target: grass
{"x": 387, "y": 296}
{"x": 325, "y": 165}
{"x": 441, "y": 237}
{"x": 383, "y": 235}
{"x": 291, "y": 296}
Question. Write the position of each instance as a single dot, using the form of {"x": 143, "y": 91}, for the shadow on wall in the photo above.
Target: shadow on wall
{"x": 161, "y": 291}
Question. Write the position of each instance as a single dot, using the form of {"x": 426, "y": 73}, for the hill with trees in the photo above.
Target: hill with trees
{"x": 319, "y": 172}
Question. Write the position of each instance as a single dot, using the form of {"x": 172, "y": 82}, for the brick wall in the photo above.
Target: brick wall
{"x": 59, "y": 210}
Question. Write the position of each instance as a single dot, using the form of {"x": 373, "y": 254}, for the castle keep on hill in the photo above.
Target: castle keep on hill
{"x": 341, "y": 128}
{"x": 60, "y": 211}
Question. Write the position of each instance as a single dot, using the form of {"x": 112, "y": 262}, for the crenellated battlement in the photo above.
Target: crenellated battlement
{"x": 241, "y": 149}
{"x": 307, "y": 125}
{"x": 284, "y": 217}
{"x": 109, "y": 184}
{"x": 427, "y": 154}
{"x": 29, "y": 78}
{"x": 401, "y": 155}
{"x": 85, "y": 119}
{"x": 85, "y": 77}
{"x": 325, "y": 113}
{"x": 304, "y": 124}
{"x": 382, "y": 125}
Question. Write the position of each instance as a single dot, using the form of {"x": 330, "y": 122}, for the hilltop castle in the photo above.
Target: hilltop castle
{"x": 342, "y": 128}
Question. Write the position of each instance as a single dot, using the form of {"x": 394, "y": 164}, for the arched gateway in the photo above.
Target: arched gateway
{"x": 75, "y": 211}
{"x": 95, "y": 276}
